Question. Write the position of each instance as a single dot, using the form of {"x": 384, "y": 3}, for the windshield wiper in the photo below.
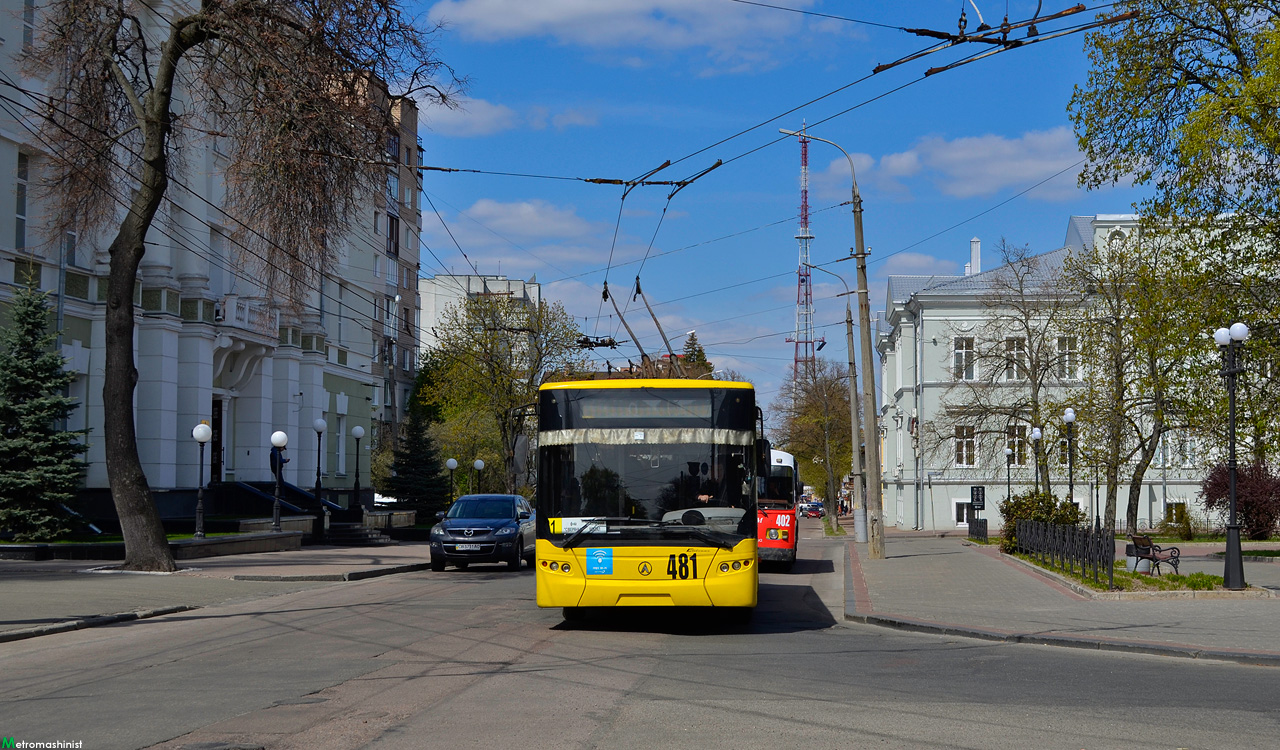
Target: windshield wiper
{"x": 589, "y": 527}
{"x": 714, "y": 538}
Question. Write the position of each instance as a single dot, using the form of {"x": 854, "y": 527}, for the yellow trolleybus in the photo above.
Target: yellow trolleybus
{"x": 647, "y": 494}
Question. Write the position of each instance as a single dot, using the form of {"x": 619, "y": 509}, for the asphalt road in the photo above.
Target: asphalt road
{"x": 464, "y": 659}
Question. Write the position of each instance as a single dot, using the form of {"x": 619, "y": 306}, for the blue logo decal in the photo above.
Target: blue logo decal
{"x": 599, "y": 562}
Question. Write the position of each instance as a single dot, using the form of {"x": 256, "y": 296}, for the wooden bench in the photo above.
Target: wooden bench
{"x": 1144, "y": 549}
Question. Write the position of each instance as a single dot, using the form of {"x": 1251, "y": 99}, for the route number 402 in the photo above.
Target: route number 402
{"x": 682, "y": 567}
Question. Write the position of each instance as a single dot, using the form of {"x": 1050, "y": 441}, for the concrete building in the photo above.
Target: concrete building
{"x": 212, "y": 344}
{"x": 441, "y": 291}
{"x": 932, "y": 346}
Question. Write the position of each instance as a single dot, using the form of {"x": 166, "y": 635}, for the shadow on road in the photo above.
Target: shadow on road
{"x": 782, "y": 608}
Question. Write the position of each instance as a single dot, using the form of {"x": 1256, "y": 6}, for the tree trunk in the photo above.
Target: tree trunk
{"x": 146, "y": 547}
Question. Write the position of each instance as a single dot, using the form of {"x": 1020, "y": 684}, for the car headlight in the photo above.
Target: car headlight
{"x": 505, "y": 531}
{"x": 437, "y": 531}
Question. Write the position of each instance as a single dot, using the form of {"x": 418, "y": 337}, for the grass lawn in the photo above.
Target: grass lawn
{"x": 1126, "y": 581}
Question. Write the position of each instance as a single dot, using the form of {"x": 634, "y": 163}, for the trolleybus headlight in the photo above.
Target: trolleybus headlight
{"x": 555, "y": 566}
{"x": 724, "y": 567}
{"x": 564, "y": 567}
{"x": 737, "y": 565}
{"x": 771, "y": 534}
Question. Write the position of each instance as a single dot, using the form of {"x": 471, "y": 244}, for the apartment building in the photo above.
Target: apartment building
{"x": 212, "y": 344}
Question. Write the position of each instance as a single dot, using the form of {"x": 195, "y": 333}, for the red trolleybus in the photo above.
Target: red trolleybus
{"x": 647, "y": 494}
{"x": 776, "y": 513}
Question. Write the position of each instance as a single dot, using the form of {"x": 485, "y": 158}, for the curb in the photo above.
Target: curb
{"x": 859, "y": 612}
{"x": 355, "y": 575}
{"x": 91, "y": 622}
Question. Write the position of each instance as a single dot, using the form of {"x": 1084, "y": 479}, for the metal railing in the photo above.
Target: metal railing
{"x": 978, "y": 529}
{"x": 1083, "y": 549}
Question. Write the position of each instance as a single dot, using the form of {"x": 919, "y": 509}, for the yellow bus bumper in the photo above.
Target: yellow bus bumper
{"x": 659, "y": 576}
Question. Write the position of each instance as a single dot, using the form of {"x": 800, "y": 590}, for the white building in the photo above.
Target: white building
{"x": 931, "y": 459}
{"x": 442, "y": 291}
{"x": 211, "y": 344}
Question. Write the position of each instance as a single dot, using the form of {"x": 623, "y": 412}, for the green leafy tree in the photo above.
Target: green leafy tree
{"x": 292, "y": 91}
{"x": 492, "y": 355}
{"x": 417, "y": 475}
{"x": 815, "y": 426}
{"x": 40, "y": 465}
{"x": 1182, "y": 99}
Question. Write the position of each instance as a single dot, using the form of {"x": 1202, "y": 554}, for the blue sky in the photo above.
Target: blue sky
{"x": 612, "y": 88}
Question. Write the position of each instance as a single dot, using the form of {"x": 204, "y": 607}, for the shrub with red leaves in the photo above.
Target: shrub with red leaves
{"x": 1257, "y": 497}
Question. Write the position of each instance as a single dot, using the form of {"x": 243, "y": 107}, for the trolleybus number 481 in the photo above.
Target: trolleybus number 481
{"x": 682, "y": 567}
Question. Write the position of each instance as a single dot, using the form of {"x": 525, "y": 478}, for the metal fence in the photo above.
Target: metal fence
{"x": 978, "y": 529}
{"x": 1084, "y": 549}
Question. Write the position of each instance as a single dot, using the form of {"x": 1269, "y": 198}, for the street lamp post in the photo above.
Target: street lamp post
{"x": 1008, "y": 473}
{"x": 357, "y": 432}
{"x": 1069, "y": 416}
{"x": 203, "y": 434}
{"x": 451, "y": 464}
{"x": 855, "y": 464}
{"x": 278, "y": 439}
{"x": 321, "y": 526}
{"x": 479, "y": 467}
{"x": 1231, "y": 342}
{"x": 1036, "y": 434}
{"x": 871, "y": 428}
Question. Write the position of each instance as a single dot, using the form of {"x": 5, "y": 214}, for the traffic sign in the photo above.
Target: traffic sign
{"x": 978, "y": 498}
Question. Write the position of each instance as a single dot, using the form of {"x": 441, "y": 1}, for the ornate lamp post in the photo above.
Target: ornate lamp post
{"x": 1069, "y": 416}
{"x": 1008, "y": 475}
{"x": 357, "y": 432}
{"x": 1231, "y": 342}
{"x": 479, "y": 467}
{"x": 451, "y": 464}
{"x": 202, "y": 434}
{"x": 279, "y": 440}
{"x": 319, "y": 426}
{"x": 1036, "y": 434}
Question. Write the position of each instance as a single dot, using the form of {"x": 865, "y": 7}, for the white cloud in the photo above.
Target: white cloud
{"x": 528, "y": 220}
{"x": 916, "y": 264}
{"x": 477, "y": 117}
{"x": 731, "y": 34}
{"x": 984, "y": 165}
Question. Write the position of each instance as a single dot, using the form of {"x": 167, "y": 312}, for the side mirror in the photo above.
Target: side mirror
{"x": 762, "y": 457}
{"x": 440, "y": 514}
{"x": 524, "y": 515}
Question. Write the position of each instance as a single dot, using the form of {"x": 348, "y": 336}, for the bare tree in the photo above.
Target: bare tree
{"x": 293, "y": 87}
{"x": 1010, "y": 369}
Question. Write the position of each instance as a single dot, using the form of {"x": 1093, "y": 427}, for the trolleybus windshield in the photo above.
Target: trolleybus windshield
{"x": 658, "y": 465}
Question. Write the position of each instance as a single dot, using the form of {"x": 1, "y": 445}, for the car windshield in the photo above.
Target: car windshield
{"x": 482, "y": 507}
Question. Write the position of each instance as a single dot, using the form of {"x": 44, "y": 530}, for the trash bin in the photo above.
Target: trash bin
{"x": 1133, "y": 564}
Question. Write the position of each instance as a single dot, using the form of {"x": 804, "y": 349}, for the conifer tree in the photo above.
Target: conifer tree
{"x": 417, "y": 473}
{"x": 695, "y": 357}
{"x": 40, "y": 465}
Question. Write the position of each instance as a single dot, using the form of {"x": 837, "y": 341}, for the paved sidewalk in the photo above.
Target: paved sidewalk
{"x": 949, "y": 586}
{"x": 59, "y": 595}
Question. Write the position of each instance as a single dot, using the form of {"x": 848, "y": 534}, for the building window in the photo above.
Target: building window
{"x": 28, "y": 25}
{"x": 393, "y": 236}
{"x": 1068, "y": 358}
{"x": 966, "y": 446}
{"x": 965, "y": 359}
{"x": 1062, "y": 451}
{"x": 1017, "y": 440}
{"x": 964, "y": 512}
{"x": 1015, "y": 358}
{"x": 20, "y": 203}
{"x": 393, "y": 146}
{"x": 1175, "y": 512}
{"x": 341, "y": 434}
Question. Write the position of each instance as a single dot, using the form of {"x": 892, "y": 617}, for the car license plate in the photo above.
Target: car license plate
{"x": 468, "y": 548}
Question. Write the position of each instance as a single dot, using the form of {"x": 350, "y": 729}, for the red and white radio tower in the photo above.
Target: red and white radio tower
{"x": 803, "y": 338}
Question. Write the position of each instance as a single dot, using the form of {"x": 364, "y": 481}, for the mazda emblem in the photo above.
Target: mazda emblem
{"x": 469, "y": 532}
